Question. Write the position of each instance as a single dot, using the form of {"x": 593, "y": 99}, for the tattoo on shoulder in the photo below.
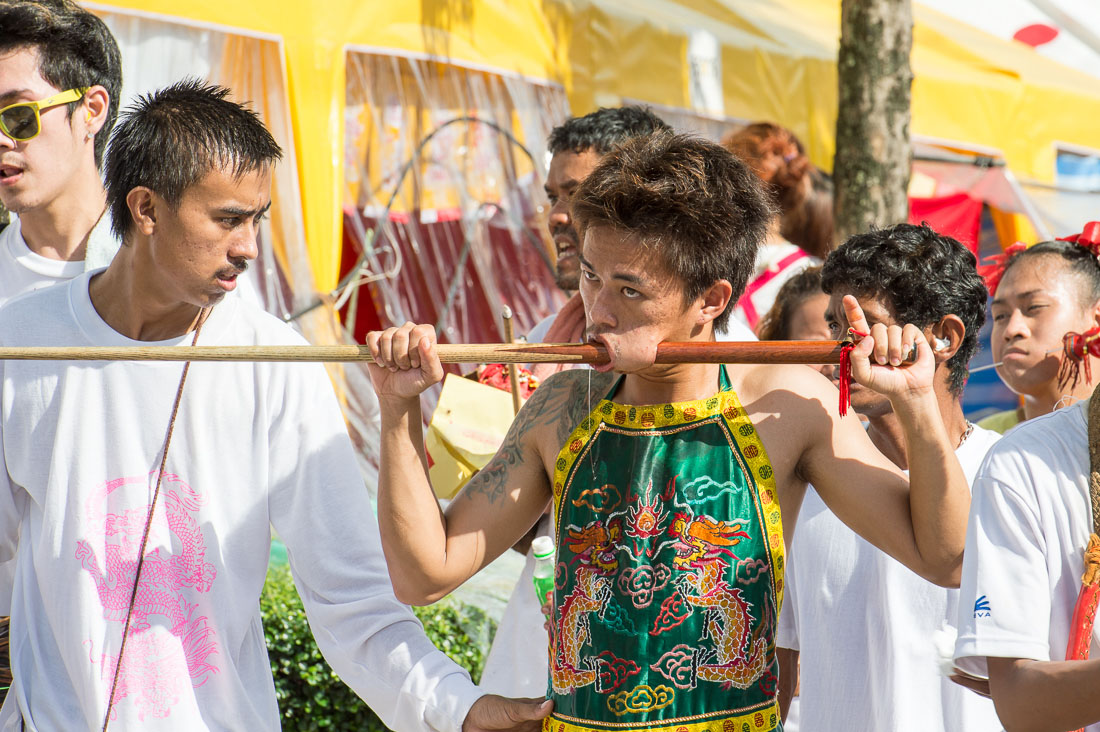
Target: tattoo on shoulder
{"x": 560, "y": 403}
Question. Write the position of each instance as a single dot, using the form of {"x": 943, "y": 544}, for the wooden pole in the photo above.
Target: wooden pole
{"x": 513, "y": 370}
{"x": 767, "y": 352}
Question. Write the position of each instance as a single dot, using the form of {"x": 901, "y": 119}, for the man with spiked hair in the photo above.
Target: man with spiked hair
{"x": 668, "y": 481}
{"x": 143, "y": 494}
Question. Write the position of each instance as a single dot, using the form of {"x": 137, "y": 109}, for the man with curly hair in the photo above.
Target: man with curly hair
{"x": 849, "y": 605}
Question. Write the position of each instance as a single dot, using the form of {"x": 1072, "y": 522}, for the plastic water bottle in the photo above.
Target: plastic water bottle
{"x": 543, "y": 548}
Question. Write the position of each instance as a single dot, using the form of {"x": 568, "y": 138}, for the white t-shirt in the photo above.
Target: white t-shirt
{"x": 775, "y": 264}
{"x": 1029, "y": 524}
{"x": 518, "y": 660}
{"x": 255, "y": 445}
{"x": 864, "y": 626}
{"x": 21, "y": 270}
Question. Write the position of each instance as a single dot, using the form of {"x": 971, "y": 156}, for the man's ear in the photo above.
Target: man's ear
{"x": 142, "y": 203}
{"x": 947, "y": 337}
{"x": 94, "y": 114}
{"x": 714, "y": 301}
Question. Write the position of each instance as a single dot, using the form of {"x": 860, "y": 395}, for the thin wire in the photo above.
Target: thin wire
{"x": 988, "y": 366}
{"x": 384, "y": 219}
{"x": 148, "y": 525}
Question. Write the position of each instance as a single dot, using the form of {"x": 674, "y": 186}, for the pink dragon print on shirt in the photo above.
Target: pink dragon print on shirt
{"x": 156, "y": 664}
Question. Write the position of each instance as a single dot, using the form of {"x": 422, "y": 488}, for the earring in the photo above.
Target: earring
{"x": 87, "y": 136}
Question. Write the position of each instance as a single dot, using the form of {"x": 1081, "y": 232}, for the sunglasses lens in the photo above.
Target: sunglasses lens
{"x": 20, "y": 122}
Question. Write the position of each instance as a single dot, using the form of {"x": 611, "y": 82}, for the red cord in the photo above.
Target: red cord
{"x": 845, "y": 378}
{"x": 1076, "y": 349}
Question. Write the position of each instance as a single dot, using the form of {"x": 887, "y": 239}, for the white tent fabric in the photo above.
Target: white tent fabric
{"x": 1066, "y": 31}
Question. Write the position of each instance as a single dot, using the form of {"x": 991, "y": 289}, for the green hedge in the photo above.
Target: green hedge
{"x": 311, "y": 697}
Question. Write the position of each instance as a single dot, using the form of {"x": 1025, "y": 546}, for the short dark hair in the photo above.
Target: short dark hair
{"x": 703, "y": 209}
{"x": 922, "y": 274}
{"x": 169, "y": 140}
{"x": 776, "y": 323}
{"x": 75, "y": 50}
{"x": 602, "y": 130}
{"x": 1076, "y": 259}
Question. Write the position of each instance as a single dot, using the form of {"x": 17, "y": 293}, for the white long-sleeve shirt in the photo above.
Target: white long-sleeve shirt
{"x": 255, "y": 445}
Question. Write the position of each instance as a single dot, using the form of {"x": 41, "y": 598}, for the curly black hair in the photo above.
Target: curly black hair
{"x": 603, "y": 129}
{"x": 1076, "y": 258}
{"x": 921, "y": 274}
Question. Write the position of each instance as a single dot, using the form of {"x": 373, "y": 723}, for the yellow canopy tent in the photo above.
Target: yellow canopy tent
{"x": 776, "y": 61}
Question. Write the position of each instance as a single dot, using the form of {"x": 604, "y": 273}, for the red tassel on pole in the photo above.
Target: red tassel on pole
{"x": 844, "y": 380}
{"x": 1084, "y": 611}
{"x": 1076, "y": 349}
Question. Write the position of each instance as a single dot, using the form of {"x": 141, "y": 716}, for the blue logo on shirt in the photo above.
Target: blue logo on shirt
{"x": 981, "y": 608}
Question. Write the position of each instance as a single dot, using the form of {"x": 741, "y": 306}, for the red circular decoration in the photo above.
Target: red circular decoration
{"x": 1036, "y": 34}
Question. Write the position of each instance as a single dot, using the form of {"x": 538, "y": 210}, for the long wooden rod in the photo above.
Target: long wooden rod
{"x": 773, "y": 352}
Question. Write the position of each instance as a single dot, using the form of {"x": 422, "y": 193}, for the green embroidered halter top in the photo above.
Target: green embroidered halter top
{"x": 669, "y": 571}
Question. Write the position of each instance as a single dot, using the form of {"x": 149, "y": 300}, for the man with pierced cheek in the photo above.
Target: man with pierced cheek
{"x": 670, "y": 483}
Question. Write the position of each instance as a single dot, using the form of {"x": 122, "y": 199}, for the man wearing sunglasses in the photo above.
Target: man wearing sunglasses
{"x": 60, "y": 81}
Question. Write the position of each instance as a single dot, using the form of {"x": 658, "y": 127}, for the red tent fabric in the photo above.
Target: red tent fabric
{"x": 956, "y": 215}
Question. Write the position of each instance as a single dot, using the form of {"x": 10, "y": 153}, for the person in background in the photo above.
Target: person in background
{"x": 1039, "y": 294}
{"x": 798, "y": 313}
{"x": 60, "y": 81}
{"x": 863, "y": 625}
{"x": 1028, "y": 543}
{"x": 811, "y": 225}
{"x": 778, "y": 159}
{"x": 576, "y": 147}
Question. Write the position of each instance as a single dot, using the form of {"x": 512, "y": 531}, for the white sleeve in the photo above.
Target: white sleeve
{"x": 736, "y": 330}
{"x": 320, "y": 507}
{"x": 538, "y": 333}
{"x": 12, "y": 500}
{"x": 786, "y": 634}
{"x": 1004, "y": 599}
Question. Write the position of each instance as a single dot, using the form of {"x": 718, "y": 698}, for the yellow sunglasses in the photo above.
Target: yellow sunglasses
{"x": 22, "y": 121}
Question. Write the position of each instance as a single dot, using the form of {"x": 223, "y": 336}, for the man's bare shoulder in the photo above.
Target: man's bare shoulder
{"x": 788, "y": 388}
{"x": 563, "y": 400}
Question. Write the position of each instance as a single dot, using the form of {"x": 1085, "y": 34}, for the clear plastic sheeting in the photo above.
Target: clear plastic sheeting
{"x": 1063, "y": 211}
{"x": 444, "y": 209}
{"x": 156, "y": 53}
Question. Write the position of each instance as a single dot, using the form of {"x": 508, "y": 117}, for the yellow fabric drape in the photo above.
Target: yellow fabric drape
{"x": 777, "y": 63}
